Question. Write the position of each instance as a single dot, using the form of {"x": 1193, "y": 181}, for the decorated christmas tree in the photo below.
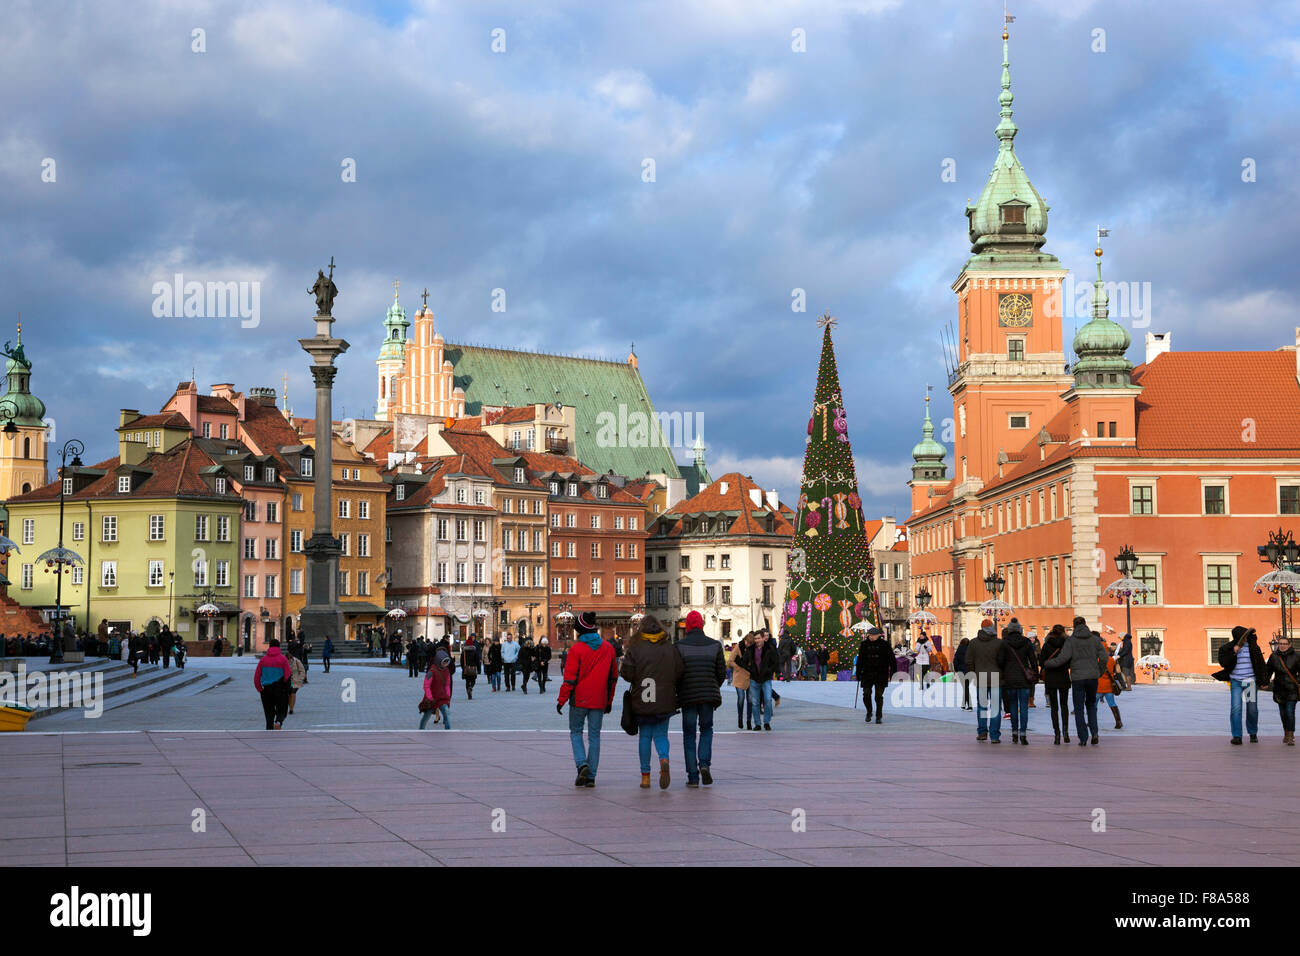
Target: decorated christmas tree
{"x": 831, "y": 584}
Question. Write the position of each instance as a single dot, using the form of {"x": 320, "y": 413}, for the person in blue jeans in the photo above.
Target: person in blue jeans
{"x": 761, "y": 660}
{"x": 1243, "y": 665}
{"x": 653, "y": 667}
{"x": 983, "y": 654}
{"x": 1086, "y": 655}
{"x": 1017, "y": 672}
{"x": 1284, "y": 677}
{"x": 590, "y": 676}
{"x": 699, "y": 694}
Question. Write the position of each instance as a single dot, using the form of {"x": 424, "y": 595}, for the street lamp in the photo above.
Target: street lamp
{"x": 1283, "y": 553}
{"x": 60, "y": 557}
{"x": 171, "y": 593}
{"x": 1126, "y": 562}
{"x": 923, "y": 598}
{"x": 564, "y": 618}
{"x": 994, "y": 583}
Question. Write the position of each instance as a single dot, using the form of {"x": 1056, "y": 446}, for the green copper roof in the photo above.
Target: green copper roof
{"x": 1101, "y": 344}
{"x": 492, "y": 376}
{"x": 927, "y": 454}
{"x": 696, "y": 473}
{"x": 25, "y": 407}
{"x": 395, "y": 326}
{"x": 1008, "y": 223}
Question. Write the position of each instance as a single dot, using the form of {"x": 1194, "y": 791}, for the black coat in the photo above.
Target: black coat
{"x": 1054, "y": 678}
{"x": 653, "y": 668}
{"x": 766, "y": 669}
{"x": 541, "y": 656}
{"x": 494, "y": 659}
{"x": 704, "y": 668}
{"x": 1228, "y": 661}
{"x": 1016, "y": 661}
{"x": 526, "y": 658}
{"x": 1284, "y": 687}
{"x": 876, "y": 662}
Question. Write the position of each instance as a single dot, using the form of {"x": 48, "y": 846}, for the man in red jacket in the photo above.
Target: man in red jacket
{"x": 590, "y": 675}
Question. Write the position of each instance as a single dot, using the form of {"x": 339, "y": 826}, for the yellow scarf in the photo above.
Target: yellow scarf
{"x": 653, "y": 638}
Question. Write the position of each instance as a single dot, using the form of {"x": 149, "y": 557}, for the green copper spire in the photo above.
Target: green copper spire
{"x": 26, "y": 408}
{"x": 395, "y": 326}
{"x": 1101, "y": 344}
{"x": 928, "y": 454}
{"x": 1008, "y": 223}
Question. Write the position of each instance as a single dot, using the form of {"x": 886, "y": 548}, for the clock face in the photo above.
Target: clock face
{"x": 1015, "y": 310}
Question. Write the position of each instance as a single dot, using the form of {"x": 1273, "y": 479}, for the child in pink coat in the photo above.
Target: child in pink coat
{"x": 437, "y": 688}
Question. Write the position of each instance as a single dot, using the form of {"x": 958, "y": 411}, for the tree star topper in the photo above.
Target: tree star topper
{"x": 827, "y": 320}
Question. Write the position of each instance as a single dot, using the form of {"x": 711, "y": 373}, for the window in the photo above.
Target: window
{"x": 272, "y": 511}
{"x": 767, "y": 595}
{"x": 345, "y": 508}
{"x": 726, "y": 562}
{"x": 726, "y": 594}
{"x": 460, "y": 495}
{"x": 618, "y": 585}
{"x": 363, "y": 546}
{"x": 345, "y": 541}
{"x": 272, "y": 550}
{"x": 1112, "y": 426}
{"x": 572, "y": 585}
{"x": 631, "y": 550}
{"x": 123, "y": 484}
{"x": 1016, "y": 353}
{"x": 250, "y": 549}
{"x": 595, "y": 549}
{"x": 686, "y": 594}
{"x": 631, "y": 522}
{"x": 508, "y": 506}
{"x": 250, "y": 471}
{"x": 555, "y": 585}
{"x": 295, "y": 542}
{"x": 220, "y": 486}
{"x": 537, "y": 541}
{"x": 571, "y": 520}
{"x": 507, "y": 539}
{"x": 462, "y": 529}
{"x": 480, "y": 572}
{"x": 223, "y": 528}
{"x": 898, "y": 571}
{"x": 1146, "y": 573}
{"x": 108, "y": 528}
{"x": 271, "y": 584}
{"x": 107, "y": 573}
{"x": 1216, "y": 499}
{"x": 710, "y": 592}
{"x": 200, "y": 573}
{"x": 442, "y": 572}
{"x": 1143, "y": 497}
{"x": 270, "y": 473}
{"x": 78, "y": 531}
{"x": 29, "y": 531}
{"x": 460, "y": 572}
{"x": 67, "y": 486}
{"x": 595, "y": 521}
{"x": 554, "y": 487}
{"x": 250, "y": 510}
{"x": 295, "y": 581}
{"x": 363, "y": 582}
{"x": 508, "y": 576}
{"x": 200, "y": 527}
{"x": 618, "y": 549}
{"x": 343, "y": 583}
{"x": 156, "y": 526}
{"x": 223, "y": 573}
{"x": 207, "y": 429}
{"x": 555, "y": 549}
{"x": 661, "y": 563}
{"x": 306, "y": 467}
{"x": 1019, "y": 421}
{"x": 78, "y": 575}
{"x": 225, "y": 431}
{"x": 1289, "y": 500}
{"x": 1218, "y": 584}
{"x": 1012, "y": 214}
{"x": 555, "y": 519}
{"x": 686, "y": 564}
{"x": 1217, "y": 641}
{"x": 708, "y": 562}
{"x": 571, "y": 549}
{"x": 572, "y": 490}
{"x": 595, "y": 584}
{"x": 297, "y": 502}
{"x": 479, "y": 497}
{"x": 519, "y": 476}
{"x": 602, "y": 490}
{"x": 400, "y": 493}
{"x": 28, "y": 572}
{"x": 250, "y": 585}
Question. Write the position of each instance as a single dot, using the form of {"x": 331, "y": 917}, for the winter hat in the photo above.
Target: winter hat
{"x": 694, "y": 620}
{"x": 1239, "y": 632}
{"x": 587, "y": 622}
{"x": 986, "y": 623}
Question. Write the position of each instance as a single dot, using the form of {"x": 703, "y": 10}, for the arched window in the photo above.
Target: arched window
{"x": 383, "y": 386}
{"x": 26, "y": 487}
{"x": 27, "y": 447}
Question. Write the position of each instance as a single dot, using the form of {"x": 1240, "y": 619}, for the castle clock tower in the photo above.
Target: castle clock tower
{"x": 1011, "y": 366}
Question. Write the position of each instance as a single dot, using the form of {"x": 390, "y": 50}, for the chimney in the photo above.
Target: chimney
{"x": 127, "y": 416}
{"x": 722, "y": 487}
{"x": 773, "y": 502}
{"x": 756, "y": 496}
{"x": 1160, "y": 342}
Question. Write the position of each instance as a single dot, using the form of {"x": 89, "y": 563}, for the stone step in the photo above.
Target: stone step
{"x": 121, "y": 688}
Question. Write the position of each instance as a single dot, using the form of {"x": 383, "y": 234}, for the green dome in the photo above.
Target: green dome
{"x": 1101, "y": 345}
{"x": 18, "y": 400}
{"x": 928, "y": 454}
{"x": 1010, "y": 217}
{"x": 395, "y": 326}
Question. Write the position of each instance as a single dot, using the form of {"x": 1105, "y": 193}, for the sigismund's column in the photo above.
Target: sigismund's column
{"x": 322, "y": 616}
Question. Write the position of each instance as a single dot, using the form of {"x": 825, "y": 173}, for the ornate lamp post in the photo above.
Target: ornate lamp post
{"x": 1283, "y": 553}
{"x": 171, "y": 594}
{"x": 60, "y": 559}
{"x": 564, "y": 620}
{"x": 1126, "y": 562}
{"x": 995, "y": 607}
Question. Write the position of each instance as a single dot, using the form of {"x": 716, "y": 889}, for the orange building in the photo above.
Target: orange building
{"x": 1190, "y": 459}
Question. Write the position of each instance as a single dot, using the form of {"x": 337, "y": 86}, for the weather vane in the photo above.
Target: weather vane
{"x": 827, "y": 321}
{"x": 425, "y": 296}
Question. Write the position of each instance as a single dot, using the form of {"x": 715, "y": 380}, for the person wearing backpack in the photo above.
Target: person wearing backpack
{"x": 1086, "y": 658}
{"x": 1284, "y": 677}
{"x": 1017, "y": 672}
{"x": 653, "y": 667}
{"x": 469, "y": 664}
{"x": 590, "y": 676}
{"x": 271, "y": 678}
{"x": 1110, "y": 683}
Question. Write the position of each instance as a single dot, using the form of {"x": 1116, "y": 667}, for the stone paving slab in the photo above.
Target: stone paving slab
{"x": 408, "y": 798}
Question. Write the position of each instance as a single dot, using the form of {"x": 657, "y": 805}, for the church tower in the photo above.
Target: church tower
{"x": 392, "y": 356}
{"x": 1011, "y": 367}
{"x": 22, "y": 454}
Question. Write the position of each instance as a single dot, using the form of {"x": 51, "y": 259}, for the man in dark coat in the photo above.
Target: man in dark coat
{"x": 1086, "y": 656}
{"x": 699, "y": 695}
{"x": 982, "y": 665}
{"x": 1018, "y": 672}
{"x": 524, "y": 663}
{"x": 786, "y": 649}
{"x": 1247, "y": 675}
{"x": 760, "y": 659}
{"x": 876, "y": 664}
{"x": 1124, "y": 659}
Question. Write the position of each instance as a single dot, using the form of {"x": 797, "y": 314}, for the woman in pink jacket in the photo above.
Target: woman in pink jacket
{"x": 437, "y": 689}
{"x": 271, "y": 678}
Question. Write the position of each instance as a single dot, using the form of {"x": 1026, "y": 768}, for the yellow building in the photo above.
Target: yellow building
{"x": 22, "y": 452}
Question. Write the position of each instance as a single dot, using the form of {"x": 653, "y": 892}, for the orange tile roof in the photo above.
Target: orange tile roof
{"x": 216, "y": 406}
{"x": 174, "y": 473}
{"x": 160, "y": 420}
{"x": 712, "y": 499}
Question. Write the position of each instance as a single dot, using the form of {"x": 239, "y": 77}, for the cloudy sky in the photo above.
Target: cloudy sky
{"x": 522, "y": 170}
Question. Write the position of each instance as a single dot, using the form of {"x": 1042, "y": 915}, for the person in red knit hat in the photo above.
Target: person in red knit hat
{"x": 590, "y": 675}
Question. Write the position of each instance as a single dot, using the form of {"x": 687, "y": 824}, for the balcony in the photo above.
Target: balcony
{"x": 557, "y": 446}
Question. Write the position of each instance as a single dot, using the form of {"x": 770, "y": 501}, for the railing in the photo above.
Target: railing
{"x": 557, "y": 445}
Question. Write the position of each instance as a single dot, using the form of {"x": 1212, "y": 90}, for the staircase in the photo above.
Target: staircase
{"x": 120, "y": 688}
{"x": 16, "y": 619}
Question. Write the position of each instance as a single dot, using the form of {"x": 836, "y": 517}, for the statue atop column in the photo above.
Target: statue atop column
{"x": 324, "y": 290}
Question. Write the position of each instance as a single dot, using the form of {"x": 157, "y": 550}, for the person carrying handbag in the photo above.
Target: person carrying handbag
{"x": 1110, "y": 684}
{"x": 1283, "y": 666}
{"x": 1085, "y": 655}
{"x": 1018, "y": 672}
